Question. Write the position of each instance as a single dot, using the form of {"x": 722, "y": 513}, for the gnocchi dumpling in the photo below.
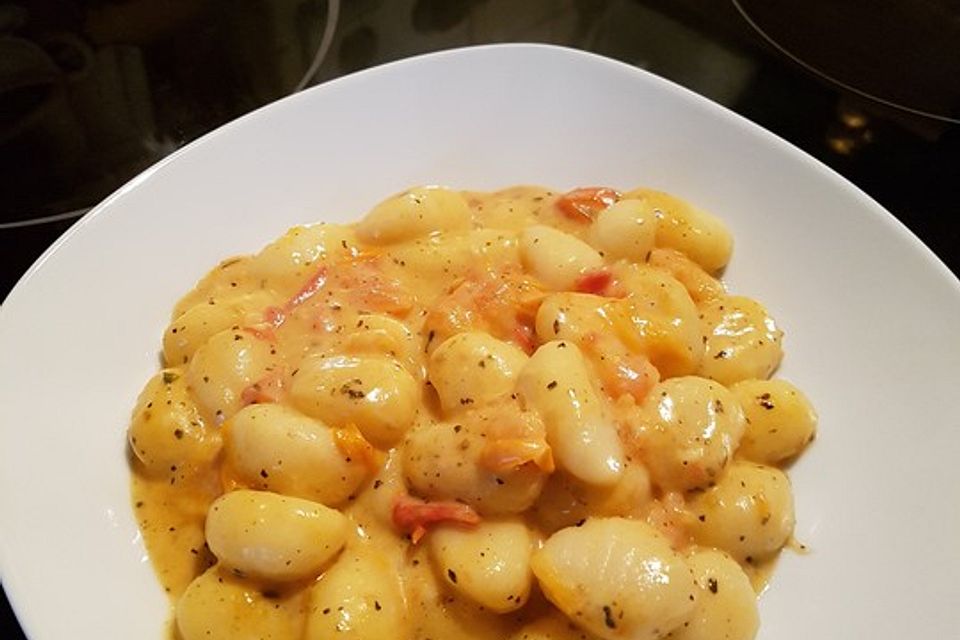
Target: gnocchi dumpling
{"x": 727, "y": 604}
{"x": 359, "y": 598}
{"x": 581, "y": 433}
{"x": 225, "y": 281}
{"x": 488, "y": 563}
{"x": 658, "y": 319}
{"x": 780, "y": 420}
{"x": 701, "y": 286}
{"x": 442, "y": 258}
{"x": 381, "y": 335}
{"x": 374, "y": 393}
{"x": 168, "y": 435}
{"x": 417, "y": 212}
{"x": 220, "y": 606}
{"x": 700, "y": 235}
{"x": 439, "y": 612}
{"x": 230, "y": 364}
{"x": 741, "y": 340}
{"x": 555, "y": 257}
{"x": 272, "y": 537}
{"x": 605, "y": 334}
{"x": 690, "y": 428}
{"x": 288, "y": 261}
{"x": 616, "y": 578}
{"x": 565, "y": 501}
{"x": 494, "y": 460}
{"x": 511, "y": 208}
{"x": 272, "y": 447}
{"x": 626, "y": 229}
{"x": 473, "y": 368}
{"x": 748, "y": 513}
{"x": 191, "y": 329}
{"x": 572, "y": 316}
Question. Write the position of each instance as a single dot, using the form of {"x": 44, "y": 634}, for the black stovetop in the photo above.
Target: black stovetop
{"x": 94, "y": 91}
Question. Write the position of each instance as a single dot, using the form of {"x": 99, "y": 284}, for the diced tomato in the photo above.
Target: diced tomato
{"x": 502, "y": 303}
{"x": 277, "y": 315}
{"x": 415, "y": 517}
{"x": 367, "y": 286}
{"x": 312, "y": 286}
{"x": 585, "y": 203}
{"x": 274, "y": 316}
{"x": 524, "y": 336}
{"x": 596, "y": 282}
{"x": 634, "y": 375}
{"x": 621, "y": 372}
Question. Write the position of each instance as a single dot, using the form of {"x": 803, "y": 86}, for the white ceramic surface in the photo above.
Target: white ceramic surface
{"x": 871, "y": 318}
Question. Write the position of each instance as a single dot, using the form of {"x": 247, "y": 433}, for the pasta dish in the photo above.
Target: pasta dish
{"x": 522, "y": 414}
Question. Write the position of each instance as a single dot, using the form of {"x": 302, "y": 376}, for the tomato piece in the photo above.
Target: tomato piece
{"x": 368, "y": 287}
{"x": 274, "y": 316}
{"x": 309, "y": 289}
{"x": 585, "y": 203}
{"x": 415, "y": 516}
{"x": 277, "y": 315}
{"x": 621, "y": 372}
{"x": 595, "y": 282}
{"x": 502, "y": 303}
{"x": 633, "y": 375}
{"x": 524, "y": 336}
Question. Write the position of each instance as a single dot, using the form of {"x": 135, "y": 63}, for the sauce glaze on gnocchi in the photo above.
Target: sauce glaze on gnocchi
{"x": 520, "y": 414}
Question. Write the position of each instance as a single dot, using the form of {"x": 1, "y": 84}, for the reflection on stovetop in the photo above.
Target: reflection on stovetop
{"x": 94, "y": 91}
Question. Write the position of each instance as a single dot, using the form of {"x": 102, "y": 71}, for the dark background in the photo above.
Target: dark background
{"x": 93, "y": 92}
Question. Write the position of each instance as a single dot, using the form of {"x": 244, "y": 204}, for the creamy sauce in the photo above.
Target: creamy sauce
{"x": 353, "y": 335}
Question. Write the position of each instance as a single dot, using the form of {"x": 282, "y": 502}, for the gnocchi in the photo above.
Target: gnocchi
{"x": 741, "y": 340}
{"x": 218, "y": 605}
{"x": 699, "y": 234}
{"x": 360, "y": 598}
{"x": 414, "y": 213}
{"x": 580, "y": 431}
{"x": 473, "y": 368}
{"x": 271, "y": 447}
{"x": 748, "y": 513}
{"x": 168, "y": 435}
{"x": 780, "y": 420}
{"x": 273, "y": 537}
{"x": 490, "y": 563}
{"x": 374, "y": 393}
{"x": 688, "y": 431}
{"x": 616, "y": 578}
{"x": 555, "y": 257}
{"x": 524, "y": 414}
{"x": 727, "y": 606}
{"x": 626, "y": 229}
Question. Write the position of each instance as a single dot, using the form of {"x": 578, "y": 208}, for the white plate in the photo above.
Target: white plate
{"x": 871, "y": 318}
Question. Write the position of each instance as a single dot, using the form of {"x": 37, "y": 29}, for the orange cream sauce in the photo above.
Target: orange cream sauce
{"x": 328, "y": 290}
